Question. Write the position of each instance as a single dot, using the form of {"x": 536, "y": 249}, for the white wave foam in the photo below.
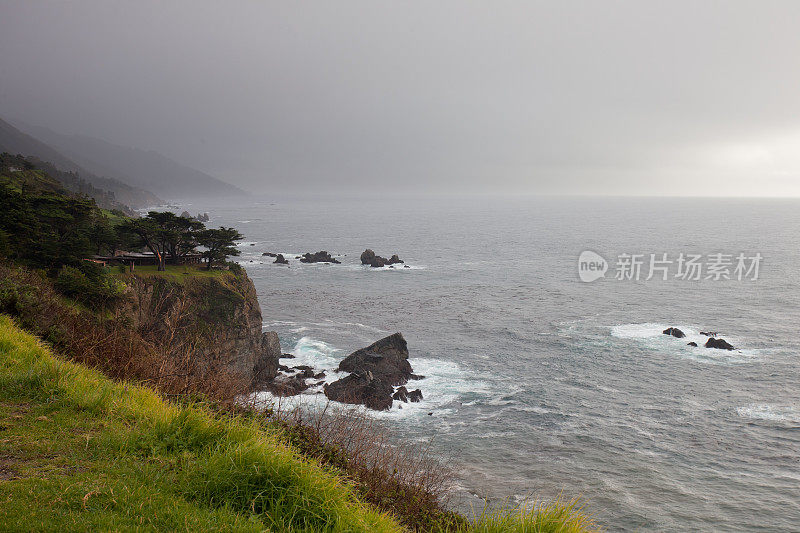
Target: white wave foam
{"x": 315, "y": 353}
{"x": 387, "y": 268}
{"x": 298, "y": 327}
{"x": 638, "y": 331}
{"x": 771, "y": 412}
{"x": 445, "y": 382}
{"x": 651, "y": 335}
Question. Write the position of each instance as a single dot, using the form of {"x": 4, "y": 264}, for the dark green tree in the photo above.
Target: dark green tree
{"x": 219, "y": 243}
{"x": 165, "y": 234}
{"x": 150, "y": 234}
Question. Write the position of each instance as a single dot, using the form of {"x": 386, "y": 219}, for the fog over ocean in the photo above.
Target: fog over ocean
{"x": 540, "y": 383}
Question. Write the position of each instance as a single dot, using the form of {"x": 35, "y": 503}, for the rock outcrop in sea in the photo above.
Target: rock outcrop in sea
{"x": 374, "y": 372}
{"x": 319, "y": 257}
{"x": 719, "y": 343}
{"x": 368, "y": 257}
{"x": 675, "y": 332}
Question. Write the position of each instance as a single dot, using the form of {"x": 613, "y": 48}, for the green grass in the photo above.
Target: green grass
{"x": 31, "y": 180}
{"x": 177, "y": 273}
{"x": 80, "y": 452}
{"x": 113, "y": 218}
{"x": 555, "y": 516}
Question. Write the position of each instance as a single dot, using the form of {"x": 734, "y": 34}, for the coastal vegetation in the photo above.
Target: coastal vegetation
{"x": 81, "y": 452}
{"x": 121, "y": 393}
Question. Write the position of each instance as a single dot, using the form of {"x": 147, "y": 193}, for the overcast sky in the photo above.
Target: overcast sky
{"x": 543, "y": 97}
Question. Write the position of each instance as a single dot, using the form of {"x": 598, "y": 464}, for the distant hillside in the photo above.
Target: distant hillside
{"x": 15, "y": 142}
{"x": 29, "y": 173}
{"x": 146, "y": 169}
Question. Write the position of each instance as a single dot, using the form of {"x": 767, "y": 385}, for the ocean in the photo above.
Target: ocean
{"x": 541, "y": 384}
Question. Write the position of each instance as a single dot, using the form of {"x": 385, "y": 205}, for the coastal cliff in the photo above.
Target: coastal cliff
{"x": 216, "y": 317}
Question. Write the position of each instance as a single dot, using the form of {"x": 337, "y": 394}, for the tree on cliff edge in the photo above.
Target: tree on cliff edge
{"x": 165, "y": 234}
{"x": 219, "y": 243}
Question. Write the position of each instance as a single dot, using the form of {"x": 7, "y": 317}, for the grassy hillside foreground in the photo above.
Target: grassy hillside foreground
{"x": 81, "y": 452}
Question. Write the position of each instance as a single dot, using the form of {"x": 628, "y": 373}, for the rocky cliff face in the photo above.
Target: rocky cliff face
{"x": 216, "y": 320}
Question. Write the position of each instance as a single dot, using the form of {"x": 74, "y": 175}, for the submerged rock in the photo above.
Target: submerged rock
{"x": 692, "y": 344}
{"x": 709, "y": 333}
{"x": 401, "y": 394}
{"x": 675, "y": 332}
{"x": 720, "y": 344}
{"x": 269, "y": 254}
{"x": 415, "y": 396}
{"x": 284, "y": 385}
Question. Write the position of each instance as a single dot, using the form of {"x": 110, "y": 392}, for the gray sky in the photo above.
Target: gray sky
{"x": 637, "y": 97}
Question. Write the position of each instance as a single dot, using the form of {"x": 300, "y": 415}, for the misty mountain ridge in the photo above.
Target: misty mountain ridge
{"x": 146, "y": 169}
{"x": 72, "y": 174}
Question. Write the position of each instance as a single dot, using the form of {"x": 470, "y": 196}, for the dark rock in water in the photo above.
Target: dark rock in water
{"x": 266, "y": 364}
{"x": 367, "y": 256}
{"x": 186, "y": 214}
{"x": 709, "y": 333}
{"x": 287, "y": 356}
{"x": 319, "y": 257}
{"x": 252, "y": 244}
{"x": 279, "y": 259}
{"x": 361, "y": 388}
{"x": 720, "y": 344}
{"x": 270, "y": 254}
{"x": 202, "y": 218}
{"x": 675, "y": 332}
{"x": 284, "y": 368}
{"x": 319, "y": 375}
{"x": 401, "y": 394}
{"x": 284, "y": 385}
{"x": 305, "y": 371}
{"x": 386, "y": 359}
{"x": 375, "y": 371}
{"x": 377, "y": 262}
{"x": 406, "y": 266}
{"x": 692, "y": 344}
{"x": 415, "y": 396}
{"x": 416, "y": 377}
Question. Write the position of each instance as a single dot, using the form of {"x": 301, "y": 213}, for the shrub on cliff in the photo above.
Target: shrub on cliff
{"x": 90, "y": 284}
{"x": 163, "y": 356}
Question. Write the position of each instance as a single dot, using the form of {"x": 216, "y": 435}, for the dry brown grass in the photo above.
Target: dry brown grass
{"x": 164, "y": 357}
{"x": 408, "y": 479}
